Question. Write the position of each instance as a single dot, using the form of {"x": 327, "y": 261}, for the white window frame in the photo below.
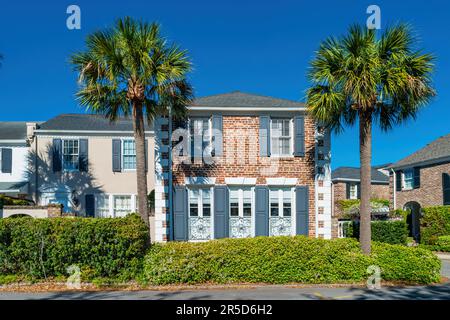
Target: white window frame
{"x": 291, "y": 138}
{"x": 200, "y": 201}
{"x": 122, "y": 149}
{"x": 404, "y": 187}
{"x": 355, "y": 196}
{"x": 240, "y": 190}
{"x": 111, "y": 202}
{"x": 293, "y": 215}
{"x": 62, "y": 155}
{"x": 190, "y": 122}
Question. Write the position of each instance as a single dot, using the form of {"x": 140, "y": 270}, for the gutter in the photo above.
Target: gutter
{"x": 394, "y": 187}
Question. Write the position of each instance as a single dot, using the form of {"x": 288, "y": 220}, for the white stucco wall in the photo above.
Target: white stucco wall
{"x": 19, "y": 164}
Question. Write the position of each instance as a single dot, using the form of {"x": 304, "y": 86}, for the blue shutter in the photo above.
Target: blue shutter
{"x": 299, "y": 136}
{"x": 301, "y": 208}
{"x": 83, "y": 155}
{"x": 347, "y": 190}
{"x": 358, "y": 190}
{"x": 261, "y": 211}
{"x": 180, "y": 213}
{"x": 6, "y": 160}
{"x": 221, "y": 215}
{"x": 217, "y": 126}
{"x": 264, "y": 136}
{"x": 90, "y": 205}
{"x": 446, "y": 188}
{"x": 398, "y": 182}
{"x": 416, "y": 177}
{"x": 57, "y": 155}
{"x": 116, "y": 155}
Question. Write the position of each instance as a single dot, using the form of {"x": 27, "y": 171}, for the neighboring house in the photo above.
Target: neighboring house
{"x": 87, "y": 163}
{"x": 13, "y": 159}
{"x": 243, "y": 165}
{"x": 422, "y": 179}
{"x": 347, "y": 184}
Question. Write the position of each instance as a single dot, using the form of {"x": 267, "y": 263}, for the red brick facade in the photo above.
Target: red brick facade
{"x": 430, "y": 192}
{"x": 241, "y": 158}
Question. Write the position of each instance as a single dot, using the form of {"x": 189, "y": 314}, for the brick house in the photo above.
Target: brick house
{"x": 242, "y": 165}
{"x": 346, "y": 185}
{"x": 422, "y": 179}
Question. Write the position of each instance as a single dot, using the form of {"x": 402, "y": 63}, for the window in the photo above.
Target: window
{"x": 281, "y": 137}
{"x": 129, "y": 154}
{"x": 122, "y": 206}
{"x": 353, "y": 191}
{"x": 199, "y": 131}
{"x": 408, "y": 179}
{"x": 102, "y": 206}
{"x": 241, "y": 212}
{"x": 199, "y": 214}
{"x": 281, "y": 206}
{"x": 70, "y": 155}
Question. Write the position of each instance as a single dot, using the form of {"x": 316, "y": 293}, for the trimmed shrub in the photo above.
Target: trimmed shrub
{"x": 434, "y": 224}
{"x": 392, "y": 231}
{"x": 284, "y": 260}
{"x": 40, "y": 248}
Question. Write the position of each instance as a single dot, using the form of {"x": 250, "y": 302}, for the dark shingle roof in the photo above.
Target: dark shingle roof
{"x": 241, "y": 99}
{"x": 352, "y": 173}
{"x": 13, "y": 130}
{"x": 87, "y": 122}
{"x": 437, "y": 150}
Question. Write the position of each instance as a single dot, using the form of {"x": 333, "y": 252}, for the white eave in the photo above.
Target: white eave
{"x": 256, "y": 108}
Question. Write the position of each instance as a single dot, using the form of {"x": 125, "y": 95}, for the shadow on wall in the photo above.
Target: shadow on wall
{"x": 67, "y": 187}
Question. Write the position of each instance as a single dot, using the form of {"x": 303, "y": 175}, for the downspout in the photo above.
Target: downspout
{"x": 394, "y": 188}
{"x": 170, "y": 176}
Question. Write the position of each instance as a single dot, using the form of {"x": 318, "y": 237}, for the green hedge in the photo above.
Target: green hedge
{"x": 434, "y": 224}
{"x": 39, "y": 248}
{"x": 442, "y": 244}
{"x": 393, "y": 231}
{"x": 285, "y": 260}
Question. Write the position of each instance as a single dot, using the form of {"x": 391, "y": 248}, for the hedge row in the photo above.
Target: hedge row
{"x": 434, "y": 223}
{"x": 393, "y": 231}
{"x": 285, "y": 260}
{"x": 40, "y": 248}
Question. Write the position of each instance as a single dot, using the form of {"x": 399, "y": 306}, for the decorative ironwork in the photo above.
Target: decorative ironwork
{"x": 240, "y": 227}
{"x": 280, "y": 226}
{"x": 199, "y": 228}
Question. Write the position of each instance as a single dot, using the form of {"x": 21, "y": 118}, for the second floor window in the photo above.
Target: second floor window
{"x": 199, "y": 131}
{"x": 353, "y": 191}
{"x": 129, "y": 155}
{"x": 71, "y": 154}
{"x": 408, "y": 179}
{"x": 281, "y": 137}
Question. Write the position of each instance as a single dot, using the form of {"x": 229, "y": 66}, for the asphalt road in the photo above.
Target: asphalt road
{"x": 440, "y": 292}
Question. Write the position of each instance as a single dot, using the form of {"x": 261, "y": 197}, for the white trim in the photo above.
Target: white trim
{"x": 200, "y": 181}
{"x": 21, "y": 141}
{"x": 281, "y": 181}
{"x": 224, "y": 108}
{"x": 357, "y": 180}
{"x": 291, "y": 138}
{"x": 241, "y": 181}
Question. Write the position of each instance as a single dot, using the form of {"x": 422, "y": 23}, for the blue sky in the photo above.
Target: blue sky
{"x": 254, "y": 46}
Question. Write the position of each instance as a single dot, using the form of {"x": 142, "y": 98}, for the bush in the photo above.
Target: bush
{"x": 284, "y": 260}
{"x": 393, "y": 231}
{"x": 40, "y": 248}
{"x": 9, "y": 201}
{"x": 434, "y": 224}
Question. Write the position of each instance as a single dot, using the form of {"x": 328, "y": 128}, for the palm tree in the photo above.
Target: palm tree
{"x": 360, "y": 76}
{"x": 130, "y": 70}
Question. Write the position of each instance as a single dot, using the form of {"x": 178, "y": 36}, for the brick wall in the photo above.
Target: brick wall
{"x": 241, "y": 159}
{"x": 430, "y": 192}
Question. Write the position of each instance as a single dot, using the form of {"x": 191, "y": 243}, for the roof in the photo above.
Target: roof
{"x": 242, "y": 99}
{"x": 87, "y": 122}
{"x": 352, "y": 174}
{"x": 13, "y": 130}
{"x": 12, "y": 186}
{"x": 438, "y": 150}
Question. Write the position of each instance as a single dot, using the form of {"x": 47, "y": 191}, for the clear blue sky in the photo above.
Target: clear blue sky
{"x": 255, "y": 46}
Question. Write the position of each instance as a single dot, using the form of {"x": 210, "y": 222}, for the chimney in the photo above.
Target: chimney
{"x": 31, "y": 126}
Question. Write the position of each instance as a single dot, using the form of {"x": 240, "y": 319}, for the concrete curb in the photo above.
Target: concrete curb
{"x": 443, "y": 256}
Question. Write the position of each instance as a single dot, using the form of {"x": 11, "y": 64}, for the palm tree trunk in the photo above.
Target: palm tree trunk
{"x": 365, "y": 152}
{"x": 141, "y": 174}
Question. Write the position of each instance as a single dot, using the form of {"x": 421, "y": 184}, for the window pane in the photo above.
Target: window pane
{"x": 129, "y": 154}
{"x": 193, "y": 209}
{"x": 206, "y": 194}
{"x": 273, "y": 195}
{"x": 122, "y": 205}
{"x": 247, "y": 205}
{"x": 234, "y": 202}
{"x": 70, "y": 154}
{"x": 193, "y": 202}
